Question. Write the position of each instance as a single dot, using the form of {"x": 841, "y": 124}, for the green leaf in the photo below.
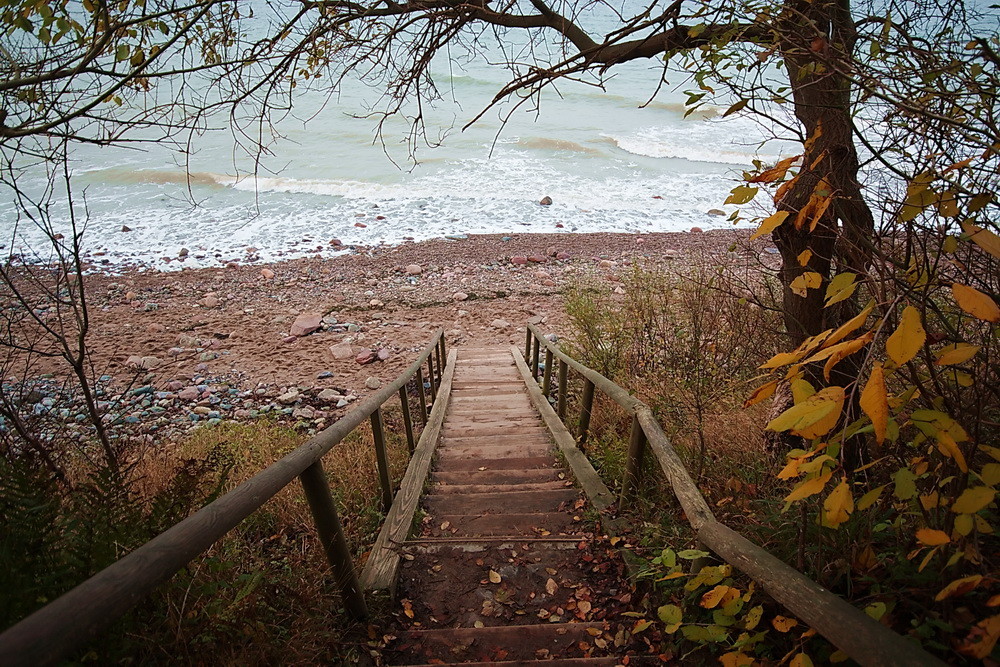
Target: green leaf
{"x": 841, "y": 287}
{"x": 692, "y": 554}
{"x": 672, "y": 616}
{"x": 906, "y": 484}
{"x": 742, "y": 194}
{"x": 736, "y": 107}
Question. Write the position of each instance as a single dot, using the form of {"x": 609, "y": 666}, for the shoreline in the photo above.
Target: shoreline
{"x": 301, "y": 339}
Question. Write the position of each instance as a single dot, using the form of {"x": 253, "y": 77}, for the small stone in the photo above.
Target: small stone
{"x": 562, "y": 255}
{"x": 289, "y": 397}
{"x": 184, "y": 252}
{"x": 716, "y": 212}
{"x": 360, "y": 224}
{"x": 189, "y": 394}
{"x": 342, "y": 351}
{"x": 697, "y": 230}
{"x": 384, "y": 354}
{"x": 366, "y": 356}
{"x": 322, "y": 375}
{"x": 289, "y": 339}
{"x": 373, "y": 383}
{"x": 210, "y": 301}
{"x": 149, "y": 363}
{"x": 499, "y": 324}
{"x": 459, "y": 296}
{"x": 328, "y": 395}
{"x": 537, "y": 259}
{"x": 126, "y": 228}
{"x": 175, "y": 385}
{"x": 185, "y": 340}
{"x": 607, "y": 264}
{"x": 305, "y": 324}
{"x": 130, "y": 296}
{"x": 670, "y": 254}
{"x": 267, "y": 274}
{"x": 303, "y": 412}
{"x": 546, "y": 201}
{"x": 518, "y": 259}
{"x": 414, "y": 270}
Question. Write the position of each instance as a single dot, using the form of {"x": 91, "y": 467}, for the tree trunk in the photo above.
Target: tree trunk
{"x": 819, "y": 38}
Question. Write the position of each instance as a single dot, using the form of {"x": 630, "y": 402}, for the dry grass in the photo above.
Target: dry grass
{"x": 264, "y": 593}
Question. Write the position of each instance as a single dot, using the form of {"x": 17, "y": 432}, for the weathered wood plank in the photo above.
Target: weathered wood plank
{"x": 380, "y": 570}
{"x": 598, "y": 493}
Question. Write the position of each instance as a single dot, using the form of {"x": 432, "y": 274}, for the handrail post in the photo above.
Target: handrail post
{"x": 547, "y": 375}
{"x": 331, "y": 534}
{"x": 438, "y": 361}
{"x": 586, "y": 410}
{"x": 381, "y": 458}
{"x": 444, "y": 351}
{"x": 423, "y": 396}
{"x": 431, "y": 378}
{"x": 561, "y": 405}
{"x": 633, "y": 464}
{"x": 404, "y": 402}
{"x": 527, "y": 344}
{"x": 534, "y": 360}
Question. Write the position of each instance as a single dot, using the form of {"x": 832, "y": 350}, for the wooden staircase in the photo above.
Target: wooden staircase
{"x": 503, "y": 569}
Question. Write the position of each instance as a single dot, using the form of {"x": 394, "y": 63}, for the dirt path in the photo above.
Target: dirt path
{"x": 505, "y": 569}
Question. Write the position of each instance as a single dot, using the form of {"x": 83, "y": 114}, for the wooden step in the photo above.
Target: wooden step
{"x": 489, "y": 463}
{"x": 561, "y": 662}
{"x": 445, "y": 489}
{"x": 490, "y": 451}
{"x": 499, "y": 439}
{"x": 539, "y": 524}
{"x": 488, "y": 429}
{"x": 514, "y": 642}
{"x": 498, "y": 476}
{"x": 508, "y": 502}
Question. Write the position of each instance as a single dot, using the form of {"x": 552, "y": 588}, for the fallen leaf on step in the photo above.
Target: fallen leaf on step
{"x": 446, "y": 525}
{"x": 482, "y": 468}
{"x": 551, "y": 586}
{"x": 495, "y": 577}
{"x": 583, "y": 607}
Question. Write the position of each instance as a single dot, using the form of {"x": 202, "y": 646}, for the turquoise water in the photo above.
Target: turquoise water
{"x": 608, "y": 160}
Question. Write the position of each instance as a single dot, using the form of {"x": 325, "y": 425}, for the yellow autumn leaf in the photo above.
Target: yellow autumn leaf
{"x": 769, "y": 224}
{"x": 783, "y": 623}
{"x": 736, "y": 659}
{"x": 782, "y": 359}
{"x": 805, "y": 282}
{"x": 975, "y": 303}
{"x": 838, "y": 505}
{"x": 801, "y": 390}
{"x": 804, "y": 257}
{"x": 959, "y": 587}
{"x": 801, "y": 660}
{"x": 973, "y": 499}
{"x": 984, "y": 637}
{"x": 495, "y": 577}
{"x": 712, "y": 598}
{"x": 842, "y": 353}
{"x": 932, "y": 538}
{"x": 815, "y": 416}
{"x": 875, "y": 402}
{"x": 958, "y": 353}
{"x": 810, "y": 487}
{"x": 841, "y": 287}
{"x": 983, "y": 238}
{"x": 950, "y": 448}
{"x": 850, "y": 326}
{"x": 908, "y": 338}
{"x": 761, "y": 393}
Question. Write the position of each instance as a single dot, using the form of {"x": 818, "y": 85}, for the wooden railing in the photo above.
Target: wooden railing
{"x": 55, "y": 630}
{"x": 846, "y": 627}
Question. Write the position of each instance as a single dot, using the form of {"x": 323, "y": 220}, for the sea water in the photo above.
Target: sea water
{"x": 612, "y": 159}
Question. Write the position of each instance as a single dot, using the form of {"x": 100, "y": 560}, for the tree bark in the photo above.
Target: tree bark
{"x": 818, "y": 39}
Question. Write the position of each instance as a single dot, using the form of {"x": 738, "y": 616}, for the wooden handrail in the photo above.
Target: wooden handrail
{"x": 61, "y": 626}
{"x": 845, "y": 626}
